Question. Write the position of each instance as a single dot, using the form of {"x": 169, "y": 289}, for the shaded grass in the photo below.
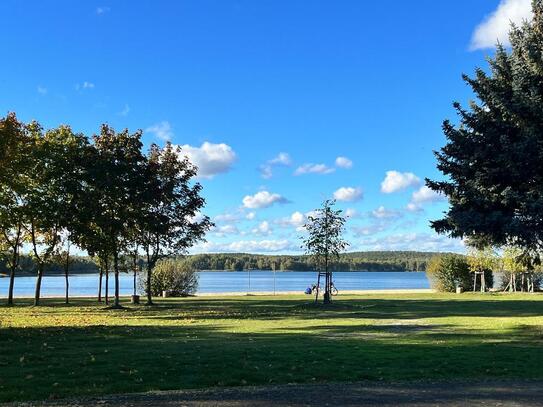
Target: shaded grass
{"x": 58, "y": 350}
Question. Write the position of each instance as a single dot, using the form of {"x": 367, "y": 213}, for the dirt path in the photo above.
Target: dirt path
{"x": 487, "y": 393}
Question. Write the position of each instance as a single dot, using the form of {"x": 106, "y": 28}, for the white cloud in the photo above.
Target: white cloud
{"x": 422, "y": 196}
{"x": 211, "y": 159}
{"x": 344, "y": 162}
{"x": 263, "y": 228}
{"x": 397, "y": 181}
{"x": 296, "y": 219}
{"x": 413, "y": 241}
{"x": 348, "y": 194}
{"x": 262, "y": 199}
{"x": 282, "y": 159}
{"x": 313, "y": 169}
{"x": 425, "y": 194}
{"x": 42, "y": 90}
{"x": 84, "y": 85}
{"x": 162, "y": 130}
{"x": 412, "y": 207}
{"x": 383, "y": 213}
{"x": 495, "y": 27}
{"x": 102, "y": 10}
{"x": 351, "y": 213}
{"x": 250, "y": 216}
{"x": 225, "y": 230}
{"x": 125, "y": 111}
{"x": 370, "y": 229}
{"x": 246, "y": 246}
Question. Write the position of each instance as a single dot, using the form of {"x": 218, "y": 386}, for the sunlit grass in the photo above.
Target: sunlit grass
{"x": 58, "y": 350}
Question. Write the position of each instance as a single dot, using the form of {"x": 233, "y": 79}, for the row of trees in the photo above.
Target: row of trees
{"x": 492, "y": 160}
{"x": 476, "y": 271}
{"x": 354, "y": 261}
{"x": 104, "y": 194}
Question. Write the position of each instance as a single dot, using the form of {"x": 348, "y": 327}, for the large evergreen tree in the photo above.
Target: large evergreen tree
{"x": 493, "y": 159}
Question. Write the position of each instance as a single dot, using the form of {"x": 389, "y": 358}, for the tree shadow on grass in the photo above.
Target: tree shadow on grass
{"x": 44, "y": 362}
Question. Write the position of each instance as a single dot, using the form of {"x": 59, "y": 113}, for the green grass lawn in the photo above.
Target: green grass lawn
{"x": 58, "y": 350}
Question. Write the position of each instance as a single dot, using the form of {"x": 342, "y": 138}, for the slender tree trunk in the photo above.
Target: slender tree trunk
{"x": 135, "y": 281}
{"x": 116, "y": 270}
{"x": 326, "y": 299}
{"x": 100, "y": 284}
{"x": 11, "y": 285}
{"x": 38, "y": 284}
{"x": 150, "y": 266}
{"x": 14, "y": 264}
{"x": 67, "y": 294}
{"x": 67, "y": 278}
{"x": 107, "y": 282}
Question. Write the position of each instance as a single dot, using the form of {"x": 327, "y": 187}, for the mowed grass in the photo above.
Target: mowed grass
{"x": 58, "y": 350}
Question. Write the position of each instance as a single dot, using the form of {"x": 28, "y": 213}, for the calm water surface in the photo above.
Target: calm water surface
{"x": 229, "y": 281}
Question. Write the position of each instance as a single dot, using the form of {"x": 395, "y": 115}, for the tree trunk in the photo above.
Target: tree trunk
{"x": 14, "y": 264}
{"x": 38, "y": 285}
{"x": 67, "y": 278}
{"x": 100, "y": 284}
{"x": 107, "y": 282}
{"x": 11, "y": 285}
{"x": 326, "y": 298}
{"x": 116, "y": 270}
{"x": 149, "y": 272}
{"x": 67, "y": 295}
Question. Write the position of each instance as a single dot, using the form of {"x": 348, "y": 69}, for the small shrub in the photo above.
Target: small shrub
{"x": 447, "y": 271}
{"x": 175, "y": 276}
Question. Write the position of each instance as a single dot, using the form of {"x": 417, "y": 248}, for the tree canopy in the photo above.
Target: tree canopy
{"x": 492, "y": 159}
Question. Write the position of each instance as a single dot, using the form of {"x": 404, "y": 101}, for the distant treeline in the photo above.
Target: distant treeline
{"x": 78, "y": 264}
{"x": 355, "y": 261}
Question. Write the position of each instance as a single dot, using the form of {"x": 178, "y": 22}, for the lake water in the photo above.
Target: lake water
{"x": 228, "y": 281}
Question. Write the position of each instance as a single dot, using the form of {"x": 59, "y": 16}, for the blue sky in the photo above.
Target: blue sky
{"x": 265, "y": 96}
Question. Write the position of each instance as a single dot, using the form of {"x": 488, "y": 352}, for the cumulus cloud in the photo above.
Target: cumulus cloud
{"x": 397, "y": 181}
{"x": 348, "y": 194}
{"x": 296, "y": 219}
{"x": 263, "y": 228}
{"x": 383, "y": 213}
{"x": 422, "y": 196}
{"x": 495, "y": 27}
{"x": 262, "y": 199}
{"x": 313, "y": 169}
{"x": 247, "y": 246}
{"x": 225, "y": 230}
{"x": 211, "y": 159}
{"x": 162, "y": 130}
{"x": 282, "y": 159}
{"x": 344, "y": 162}
{"x": 250, "y": 216}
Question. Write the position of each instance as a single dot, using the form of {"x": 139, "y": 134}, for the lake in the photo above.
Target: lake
{"x": 228, "y": 281}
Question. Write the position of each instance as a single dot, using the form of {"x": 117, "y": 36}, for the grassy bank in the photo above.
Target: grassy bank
{"x": 82, "y": 349}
